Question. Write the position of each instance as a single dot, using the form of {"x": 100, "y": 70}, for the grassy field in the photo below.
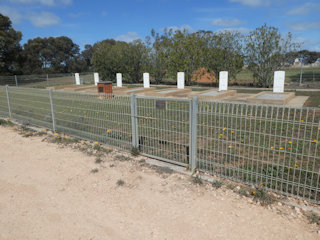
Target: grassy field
{"x": 274, "y": 147}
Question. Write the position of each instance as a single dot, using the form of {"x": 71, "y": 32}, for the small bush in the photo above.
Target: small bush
{"x": 313, "y": 218}
{"x": 4, "y": 122}
{"x": 262, "y": 196}
{"x": 217, "y": 184}
{"x": 98, "y": 160}
{"x": 95, "y": 170}
{"x": 135, "y": 151}
{"x": 196, "y": 180}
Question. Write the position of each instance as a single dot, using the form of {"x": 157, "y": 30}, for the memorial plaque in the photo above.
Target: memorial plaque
{"x": 161, "y": 104}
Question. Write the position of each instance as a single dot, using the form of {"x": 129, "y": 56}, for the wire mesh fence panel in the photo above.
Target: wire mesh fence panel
{"x": 87, "y": 78}
{"x": 31, "y": 106}
{"x": 103, "y": 118}
{"x": 60, "y": 79}
{"x": 4, "y": 111}
{"x": 269, "y": 146}
{"x": 7, "y": 80}
{"x": 163, "y": 128}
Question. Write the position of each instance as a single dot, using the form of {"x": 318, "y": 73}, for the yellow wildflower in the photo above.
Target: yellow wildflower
{"x": 96, "y": 143}
{"x": 281, "y": 148}
{"x": 254, "y": 192}
{"x": 109, "y": 131}
{"x": 272, "y": 147}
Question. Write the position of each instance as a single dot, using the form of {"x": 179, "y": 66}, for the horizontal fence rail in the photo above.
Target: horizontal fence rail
{"x": 274, "y": 147}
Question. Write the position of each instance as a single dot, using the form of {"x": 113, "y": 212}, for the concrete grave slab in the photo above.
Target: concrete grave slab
{"x": 213, "y": 94}
{"x": 169, "y": 92}
{"x": 271, "y": 98}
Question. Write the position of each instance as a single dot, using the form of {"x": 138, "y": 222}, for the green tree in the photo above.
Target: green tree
{"x": 9, "y": 47}
{"x": 53, "y": 54}
{"x": 266, "y": 51}
{"x": 111, "y": 57}
{"x": 225, "y": 52}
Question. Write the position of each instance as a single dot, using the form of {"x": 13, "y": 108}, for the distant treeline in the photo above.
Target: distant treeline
{"x": 163, "y": 54}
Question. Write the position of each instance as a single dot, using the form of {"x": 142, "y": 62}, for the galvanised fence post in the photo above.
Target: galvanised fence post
{"x": 47, "y": 80}
{"x": 8, "y": 100}
{"x": 16, "y": 80}
{"x": 134, "y": 122}
{"x": 52, "y": 111}
{"x": 193, "y": 133}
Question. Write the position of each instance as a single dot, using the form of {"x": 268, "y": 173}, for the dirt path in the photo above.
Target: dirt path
{"x": 49, "y": 192}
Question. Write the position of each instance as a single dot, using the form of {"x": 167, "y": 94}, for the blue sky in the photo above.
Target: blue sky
{"x": 89, "y": 21}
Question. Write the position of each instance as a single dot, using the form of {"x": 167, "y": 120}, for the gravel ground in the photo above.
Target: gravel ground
{"x": 49, "y": 191}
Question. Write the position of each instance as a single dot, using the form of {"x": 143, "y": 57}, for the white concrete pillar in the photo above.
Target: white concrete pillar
{"x": 119, "y": 79}
{"x": 96, "y": 78}
{"x": 146, "y": 80}
{"x": 278, "y": 81}
{"x": 77, "y": 77}
{"x": 223, "y": 81}
{"x": 180, "y": 80}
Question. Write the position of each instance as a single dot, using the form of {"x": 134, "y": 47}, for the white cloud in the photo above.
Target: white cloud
{"x": 253, "y": 3}
{"x": 227, "y": 22}
{"x": 301, "y": 26}
{"x": 181, "y": 28}
{"x": 128, "y": 37}
{"x": 49, "y": 3}
{"x": 12, "y": 13}
{"x": 43, "y": 19}
{"x": 304, "y": 9}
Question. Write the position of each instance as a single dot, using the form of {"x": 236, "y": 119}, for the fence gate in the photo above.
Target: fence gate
{"x": 162, "y": 128}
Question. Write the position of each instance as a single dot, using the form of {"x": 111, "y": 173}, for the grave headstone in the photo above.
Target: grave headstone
{"x": 119, "y": 80}
{"x": 77, "y": 77}
{"x": 180, "y": 80}
{"x": 146, "y": 80}
{"x": 223, "y": 81}
{"x": 96, "y": 78}
{"x": 278, "y": 81}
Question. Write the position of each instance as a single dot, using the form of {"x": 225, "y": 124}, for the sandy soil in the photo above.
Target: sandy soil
{"x": 49, "y": 192}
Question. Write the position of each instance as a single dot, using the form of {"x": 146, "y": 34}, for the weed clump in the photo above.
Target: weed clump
{"x": 135, "y": 151}
{"x": 122, "y": 158}
{"x": 262, "y": 196}
{"x": 217, "y": 184}
{"x": 120, "y": 182}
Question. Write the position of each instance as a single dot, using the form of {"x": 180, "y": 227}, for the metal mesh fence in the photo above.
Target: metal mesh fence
{"x": 271, "y": 146}
{"x": 268, "y": 146}
{"x": 45, "y": 80}
{"x": 4, "y": 111}
{"x": 164, "y": 129}
{"x": 31, "y": 106}
{"x": 102, "y": 118}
